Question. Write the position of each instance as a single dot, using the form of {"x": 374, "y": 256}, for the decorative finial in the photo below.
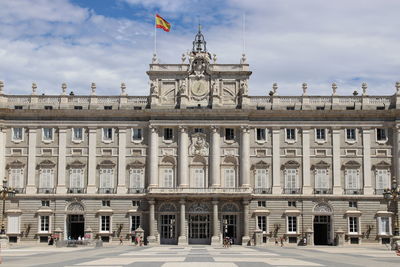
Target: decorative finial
{"x": 183, "y": 58}
{"x": 64, "y": 88}
{"x": 398, "y": 88}
{"x": 154, "y": 60}
{"x": 93, "y": 86}
{"x": 274, "y": 88}
{"x": 243, "y": 60}
{"x": 199, "y": 43}
{"x": 123, "y": 89}
{"x": 215, "y": 58}
{"x": 364, "y": 86}
{"x": 305, "y": 86}
{"x": 34, "y": 87}
{"x": 1, "y": 87}
{"x": 334, "y": 88}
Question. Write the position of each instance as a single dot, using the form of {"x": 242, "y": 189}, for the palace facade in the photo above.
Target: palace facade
{"x": 198, "y": 159}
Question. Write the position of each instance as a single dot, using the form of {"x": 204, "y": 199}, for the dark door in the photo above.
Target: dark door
{"x": 168, "y": 229}
{"x": 76, "y": 226}
{"x": 322, "y": 226}
{"x": 229, "y": 227}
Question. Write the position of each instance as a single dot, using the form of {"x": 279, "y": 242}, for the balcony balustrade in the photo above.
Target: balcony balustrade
{"x": 200, "y": 190}
{"x": 46, "y": 190}
{"x": 292, "y": 191}
{"x": 136, "y": 190}
{"x": 19, "y": 190}
{"x": 262, "y": 191}
{"x": 76, "y": 190}
{"x": 106, "y": 191}
{"x": 323, "y": 191}
{"x": 379, "y": 191}
{"x": 353, "y": 191}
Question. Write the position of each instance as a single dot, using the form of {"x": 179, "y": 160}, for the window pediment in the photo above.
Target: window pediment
{"x": 320, "y": 165}
{"x": 261, "y": 165}
{"x": 352, "y": 164}
{"x": 135, "y": 165}
{"x": 382, "y": 165}
{"x": 291, "y": 164}
{"x": 46, "y": 164}
{"x": 76, "y": 165}
{"x": 106, "y": 164}
{"x": 16, "y": 164}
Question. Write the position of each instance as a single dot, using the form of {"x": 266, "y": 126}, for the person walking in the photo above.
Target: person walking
{"x": 281, "y": 241}
{"x": 121, "y": 240}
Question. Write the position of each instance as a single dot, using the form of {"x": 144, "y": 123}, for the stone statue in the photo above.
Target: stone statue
{"x": 183, "y": 58}
{"x": 244, "y": 87}
{"x": 34, "y": 87}
{"x": 215, "y": 87}
{"x": 93, "y": 89}
{"x": 305, "y": 86}
{"x": 1, "y": 87}
{"x": 334, "y": 88}
{"x": 154, "y": 87}
{"x": 364, "y": 87}
{"x": 274, "y": 88}
{"x": 398, "y": 88}
{"x": 64, "y": 88}
{"x": 243, "y": 60}
{"x": 123, "y": 89}
{"x": 183, "y": 88}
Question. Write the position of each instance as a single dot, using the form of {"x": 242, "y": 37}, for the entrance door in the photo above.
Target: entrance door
{"x": 229, "y": 227}
{"x": 322, "y": 226}
{"x": 76, "y": 226}
{"x": 199, "y": 229}
{"x": 168, "y": 229}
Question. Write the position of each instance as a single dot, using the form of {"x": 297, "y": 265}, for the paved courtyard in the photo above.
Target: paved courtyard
{"x": 203, "y": 256}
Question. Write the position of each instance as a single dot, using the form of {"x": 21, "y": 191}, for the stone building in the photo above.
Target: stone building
{"x": 199, "y": 159}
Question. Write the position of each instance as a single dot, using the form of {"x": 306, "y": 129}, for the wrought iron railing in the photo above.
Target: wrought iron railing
{"x": 323, "y": 191}
{"x": 199, "y": 190}
{"x": 46, "y": 190}
{"x": 106, "y": 191}
{"x": 262, "y": 191}
{"x": 20, "y": 190}
{"x": 379, "y": 191}
{"x": 76, "y": 190}
{"x": 136, "y": 190}
{"x": 353, "y": 191}
{"x": 292, "y": 191}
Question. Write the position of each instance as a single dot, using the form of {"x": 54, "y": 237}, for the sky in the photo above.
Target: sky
{"x": 286, "y": 41}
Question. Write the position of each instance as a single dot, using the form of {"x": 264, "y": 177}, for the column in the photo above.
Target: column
{"x": 182, "y": 240}
{"x": 31, "y": 186}
{"x": 215, "y": 237}
{"x": 153, "y": 156}
{"x": 276, "y": 162}
{"x": 245, "y": 157}
{"x": 121, "y": 188}
{"x": 91, "y": 188}
{"x": 246, "y": 237}
{"x": 306, "y": 162}
{"x": 337, "y": 182}
{"x": 215, "y": 157}
{"x": 151, "y": 238}
{"x": 367, "y": 161}
{"x": 2, "y": 153}
{"x": 62, "y": 147}
{"x": 183, "y": 170}
{"x": 396, "y": 152}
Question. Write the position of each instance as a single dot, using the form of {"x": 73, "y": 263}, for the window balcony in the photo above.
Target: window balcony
{"x": 201, "y": 190}
{"x": 379, "y": 191}
{"x": 353, "y": 191}
{"x": 323, "y": 191}
{"x": 292, "y": 191}
{"x": 19, "y": 190}
{"x": 76, "y": 190}
{"x": 46, "y": 190}
{"x": 262, "y": 191}
{"x": 136, "y": 190}
{"x": 106, "y": 191}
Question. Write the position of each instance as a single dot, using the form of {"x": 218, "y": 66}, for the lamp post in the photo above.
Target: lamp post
{"x": 392, "y": 196}
{"x": 5, "y": 192}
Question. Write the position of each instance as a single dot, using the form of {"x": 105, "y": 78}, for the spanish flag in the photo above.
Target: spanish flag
{"x": 162, "y": 23}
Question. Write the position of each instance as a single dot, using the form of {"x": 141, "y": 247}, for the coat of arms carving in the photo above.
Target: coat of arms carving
{"x": 199, "y": 145}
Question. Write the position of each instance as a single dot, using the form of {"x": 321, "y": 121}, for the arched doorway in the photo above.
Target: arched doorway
{"x": 230, "y": 222}
{"x": 75, "y": 221}
{"x": 322, "y": 224}
{"x": 168, "y": 224}
{"x": 199, "y": 224}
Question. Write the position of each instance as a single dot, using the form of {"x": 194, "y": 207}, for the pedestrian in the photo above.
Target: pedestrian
{"x": 276, "y": 241}
{"x": 121, "y": 240}
{"x": 282, "y": 241}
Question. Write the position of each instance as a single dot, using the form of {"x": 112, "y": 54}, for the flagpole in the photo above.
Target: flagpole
{"x": 244, "y": 33}
{"x": 155, "y": 35}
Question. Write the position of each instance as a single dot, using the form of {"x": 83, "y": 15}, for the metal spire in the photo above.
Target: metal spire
{"x": 199, "y": 43}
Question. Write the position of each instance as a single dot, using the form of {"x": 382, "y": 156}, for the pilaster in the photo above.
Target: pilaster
{"x": 31, "y": 186}
{"x": 215, "y": 236}
{"x": 2, "y": 153}
{"x": 182, "y": 240}
{"x": 183, "y": 157}
{"x": 215, "y": 159}
{"x": 246, "y": 236}
{"x": 151, "y": 238}
{"x": 62, "y": 147}
{"x": 245, "y": 157}
{"x": 91, "y": 189}
{"x": 396, "y": 152}
{"x": 307, "y": 189}
{"x": 367, "y": 161}
{"x": 121, "y": 188}
{"x": 337, "y": 183}
{"x": 153, "y": 156}
{"x": 276, "y": 161}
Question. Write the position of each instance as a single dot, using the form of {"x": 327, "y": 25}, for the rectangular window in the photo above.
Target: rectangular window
{"x": 48, "y": 107}
{"x": 382, "y": 179}
{"x": 291, "y": 134}
{"x": 384, "y": 225}
{"x": 381, "y": 134}
{"x": 321, "y": 179}
{"x": 137, "y": 134}
{"x": 78, "y": 107}
{"x": 352, "y": 179}
{"x": 18, "y": 107}
{"x": 16, "y": 179}
{"x": 107, "y": 134}
{"x": 135, "y": 203}
{"x": 320, "y": 108}
{"x": 290, "y": 108}
{"x": 106, "y": 178}
{"x": 168, "y": 134}
{"x": 320, "y": 134}
{"x": 17, "y": 134}
{"x": 105, "y": 223}
{"x": 261, "y": 178}
{"x": 261, "y": 135}
{"x": 44, "y": 223}
{"x": 76, "y": 178}
{"x": 46, "y": 178}
{"x": 353, "y": 204}
{"x": 229, "y": 134}
{"x": 262, "y": 203}
{"x": 291, "y": 179}
{"x": 198, "y": 130}
{"x": 136, "y": 178}
{"x": 230, "y": 178}
{"x": 291, "y": 203}
{"x": 262, "y": 223}
{"x": 292, "y": 224}
{"x": 106, "y": 203}
{"x": 168, "y": 180}
{"x": 47, "y": 134}
{"x": 13, "y": 224}
{"x": 77, "y": 134}
{"x": 135, "y": 222}
{"x": 108, "y": 107}
{"x": 353, "y": 225}
{"x": 45, "y": 203}
{"x": 199, "y": 178}
{"x": 351, "y": 134}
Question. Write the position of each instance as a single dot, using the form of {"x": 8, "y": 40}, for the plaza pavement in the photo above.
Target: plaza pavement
{"x": 199, "y": 256}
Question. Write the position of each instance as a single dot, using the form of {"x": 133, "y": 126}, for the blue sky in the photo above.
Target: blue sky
{"x": 111, "y": 41}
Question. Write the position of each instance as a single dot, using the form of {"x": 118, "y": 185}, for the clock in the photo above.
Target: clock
{"x": 199, "y": 88}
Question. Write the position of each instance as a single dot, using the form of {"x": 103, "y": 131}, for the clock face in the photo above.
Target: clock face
{"x": 199, "y": 88}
